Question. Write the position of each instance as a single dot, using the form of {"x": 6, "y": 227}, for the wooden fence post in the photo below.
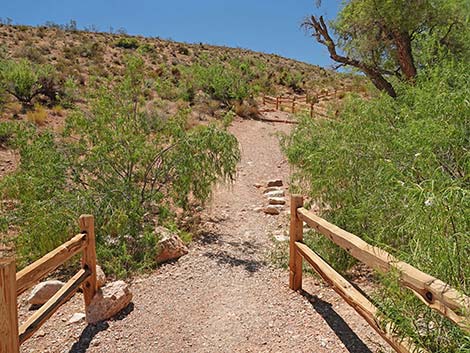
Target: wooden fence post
{"x": 293, "y": 105}
{"x": 296, "y": 234}
{"x": 277, "y": 103}
{"x": 9, "y": 340}
{"x": 311, "y": 110}
{"x": 87, "y": 226}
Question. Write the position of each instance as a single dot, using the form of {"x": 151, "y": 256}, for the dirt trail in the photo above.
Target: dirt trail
{"x": 224, "y": 296}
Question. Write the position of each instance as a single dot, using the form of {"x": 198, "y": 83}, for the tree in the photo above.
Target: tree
{"x": 379, "y": 37}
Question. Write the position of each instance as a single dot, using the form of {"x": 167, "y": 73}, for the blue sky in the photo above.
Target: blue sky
{"x": 262, "y": 25}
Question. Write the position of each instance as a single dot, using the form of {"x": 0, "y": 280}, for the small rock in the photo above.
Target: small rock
{"x": 76, "y": 318}
{"x": 276, "y": 193}
{"x": 274, "y": 182}
{"x": 257, "y": 185}
{"x": 272, "y": 210}
{"x": 271, "y": 188}
{"x": 100, "y": 276}
{"x": 281, "y": 237}
{"x": 276, "y": 201}
{"x": 258, "y": 209}
{"x": 44, "y": 291}
{"x": 170, "y": 245}
{"x": 108, "y": 301}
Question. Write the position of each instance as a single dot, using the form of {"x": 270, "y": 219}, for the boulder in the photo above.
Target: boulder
{"x": 44, "y": 291}
{"x": 108, "y": 301}
{"x": 274, "y": 182}
{"x": 275, "y": 193}
{"x": 277, "y": 201}
{"x": 272, "y": 210}
{"x": 100, "y": 276}
{"x": 170, "y": 245}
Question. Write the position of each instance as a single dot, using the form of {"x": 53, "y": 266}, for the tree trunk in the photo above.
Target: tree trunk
{"x": 404, "y": 54}
{"x": 380, "y": 82}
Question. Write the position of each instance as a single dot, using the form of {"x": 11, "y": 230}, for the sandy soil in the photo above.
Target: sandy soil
{"x": 225, "y": 295}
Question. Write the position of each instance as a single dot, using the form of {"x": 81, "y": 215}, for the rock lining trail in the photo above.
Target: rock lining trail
{"x": 225, "y": 295}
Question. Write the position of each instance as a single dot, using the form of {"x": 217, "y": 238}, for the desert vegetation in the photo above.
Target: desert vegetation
{"x": 129, "y": 128}
{"x": 395, "y": 170}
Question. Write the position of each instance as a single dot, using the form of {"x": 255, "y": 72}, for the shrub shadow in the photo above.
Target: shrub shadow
{"x": 222, "y": 258}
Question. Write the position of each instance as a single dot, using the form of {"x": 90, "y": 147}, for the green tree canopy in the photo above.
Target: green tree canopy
{"x": 386, "y": 38}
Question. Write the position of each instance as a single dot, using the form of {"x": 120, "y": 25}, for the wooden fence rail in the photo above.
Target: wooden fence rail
{"x": 298, "y": 102}
{"x": 12, "y": 284}
{"x": 432, "y": 292}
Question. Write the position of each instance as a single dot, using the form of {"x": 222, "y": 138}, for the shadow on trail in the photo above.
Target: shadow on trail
{"x": 91, "y": 331}
{"x": 222, "y": 258}
{"x": 348, "y": 337}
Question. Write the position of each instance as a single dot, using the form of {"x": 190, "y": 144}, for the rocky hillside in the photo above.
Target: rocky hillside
{"x": 191, "y": 74}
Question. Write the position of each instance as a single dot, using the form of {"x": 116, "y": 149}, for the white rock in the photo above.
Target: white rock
{"x": 108, "y": 301}
{"x": 76, "y": 318}
{"x": 277, "y": 201}
{"x": 44, "y": 291}
{"x": 170, "y": 245}
{"x": 274, "y": 182}
{"x": 281, "y": 237}
{"x": 275, "y": 193}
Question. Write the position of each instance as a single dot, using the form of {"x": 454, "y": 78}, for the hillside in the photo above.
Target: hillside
{"x": 78, "y": 57}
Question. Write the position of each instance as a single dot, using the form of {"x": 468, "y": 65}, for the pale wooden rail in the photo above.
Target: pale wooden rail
{"x": 299, "y": 102}
{"x": 13, "y": 284}
{"x": 433, "y": 292}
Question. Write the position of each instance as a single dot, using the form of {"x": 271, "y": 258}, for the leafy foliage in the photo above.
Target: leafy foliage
{"x": 396, "y": 172}
{"x": 25, "y": 80}
{"x": 125, "y": 165}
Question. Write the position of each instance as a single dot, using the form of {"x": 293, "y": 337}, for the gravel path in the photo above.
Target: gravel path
{"x": 224, "y": 296}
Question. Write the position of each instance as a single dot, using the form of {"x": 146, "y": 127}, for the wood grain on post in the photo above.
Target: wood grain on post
{"x": 296, "y": 234}
{"x": 31, "y": 274}
{"x": 9, "y": 342}
{"x": 87, "y": 226}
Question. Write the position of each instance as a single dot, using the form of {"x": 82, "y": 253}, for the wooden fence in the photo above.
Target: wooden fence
{"x": 298, "y": 103}
{"x": 12, "y": 284}
{"x": 431, "y": 291}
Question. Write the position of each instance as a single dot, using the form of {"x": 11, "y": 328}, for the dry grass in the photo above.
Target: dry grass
{"x": 38, "y": 115}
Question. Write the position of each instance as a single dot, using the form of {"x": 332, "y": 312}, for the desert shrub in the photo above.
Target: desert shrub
{"x": 87, "y": 49}
{"x": 127, "y": 43}
{"x": 225, "y": 83}
{"x": 6, "y": 134}
{"x": 146, "y": 48}
{"x": 25, "y": 80}
{"x": 119, "y": 162}
{"x": 38, "y": 115}
{"x": 396, "y": 173}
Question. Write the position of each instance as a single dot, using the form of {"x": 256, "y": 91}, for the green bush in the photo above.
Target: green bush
{"x": 25, "y": 80}
{"x": 127, "y": 43}
{"x": 397, "y": 173}
{"x": 121, "y": 163}
{"x": 225, "y": 83}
